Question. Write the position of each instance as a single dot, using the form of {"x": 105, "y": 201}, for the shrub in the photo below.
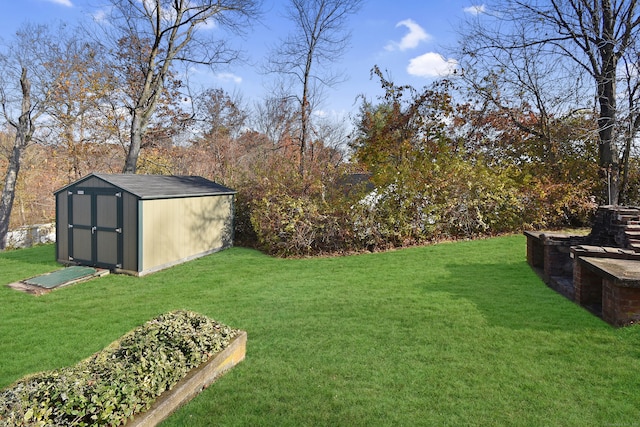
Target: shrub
{"x": 294, "y": 226}
{"x": 418, "y": 201}
{"x": 555, "y": 205}
{"x": 123, "y": 379}
{"x": 452, "y": 200}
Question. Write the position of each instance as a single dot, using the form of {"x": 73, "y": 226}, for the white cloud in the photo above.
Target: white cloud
{"x": 412, "y": 39}
{"x": 475, "y": 9}
{"x": 61, "y": 2}
{"x": 229, "y": 77}
{"x": 209, "y": 24}
{"x": 100, "y": 16}
{"x": 431, "y": 65}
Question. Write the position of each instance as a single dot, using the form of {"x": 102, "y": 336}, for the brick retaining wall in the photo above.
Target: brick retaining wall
{"x": 602, "y": 270}
{"x": 620, "y": 305}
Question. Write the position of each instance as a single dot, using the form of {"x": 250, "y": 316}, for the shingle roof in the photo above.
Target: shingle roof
{"x": 163, "y": 186}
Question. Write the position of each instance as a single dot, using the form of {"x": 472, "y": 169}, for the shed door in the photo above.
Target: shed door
{"x": 95, "y": 227}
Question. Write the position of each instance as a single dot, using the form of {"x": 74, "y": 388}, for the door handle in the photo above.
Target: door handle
{"x": 93, "y": 229}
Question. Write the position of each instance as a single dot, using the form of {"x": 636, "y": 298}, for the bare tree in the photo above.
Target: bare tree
{"x": 319, "y": 37}
{"x": 78, "y": 100}
{"x": 159, "y": 33}
{"x": 25, "y": 94}
{"x": 277, "y": 118}
{"x": 577, "y": 38}
{"x": 219, "y": 120}
{"x": 631, "y": 120}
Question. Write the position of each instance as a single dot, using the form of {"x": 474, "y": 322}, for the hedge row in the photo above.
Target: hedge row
{"x": 463, "y": 202}
{"x": 123, "y": 379}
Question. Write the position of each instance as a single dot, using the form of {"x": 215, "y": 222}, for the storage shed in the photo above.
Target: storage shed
{"x": 139, "y": 224}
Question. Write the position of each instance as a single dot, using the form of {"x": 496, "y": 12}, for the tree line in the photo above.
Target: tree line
{"x": 535, "y": 128}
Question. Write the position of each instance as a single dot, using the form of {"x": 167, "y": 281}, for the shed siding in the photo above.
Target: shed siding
{"x": 92, "y": 182}
{"x": 62, "y": 232}
{"x": 183, "y": 228}
{"x": 129, "y": 232}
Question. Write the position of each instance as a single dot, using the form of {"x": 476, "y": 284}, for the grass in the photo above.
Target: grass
{"x": 452, "y": 334}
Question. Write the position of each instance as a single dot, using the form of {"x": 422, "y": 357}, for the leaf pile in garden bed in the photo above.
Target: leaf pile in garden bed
{"x": 123, "y": 379}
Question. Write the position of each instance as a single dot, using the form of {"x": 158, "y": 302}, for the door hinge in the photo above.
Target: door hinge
{"x": 119, "y": 230}
{"x": 118, "y": 194}
{"x": 70, "y": 225}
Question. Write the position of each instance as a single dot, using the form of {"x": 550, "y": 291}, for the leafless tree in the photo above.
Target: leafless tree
{"x": 159, "y": 33}
{"x": 277, "y": 118}
{"x": 305, "y": 58}
{"x": 78, "y": 100}
{"x": 26, "y": 84}
{"x": 579, "y": 41}
{"x": 630, "y": 119}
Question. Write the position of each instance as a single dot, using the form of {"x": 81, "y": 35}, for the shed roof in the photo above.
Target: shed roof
{"x": 161, "y": 186}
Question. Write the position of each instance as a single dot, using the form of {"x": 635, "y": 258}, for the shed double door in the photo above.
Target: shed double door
{"x": 95, "y": 227}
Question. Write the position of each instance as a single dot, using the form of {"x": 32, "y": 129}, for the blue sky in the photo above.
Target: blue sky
{"x": 408, "y": 38}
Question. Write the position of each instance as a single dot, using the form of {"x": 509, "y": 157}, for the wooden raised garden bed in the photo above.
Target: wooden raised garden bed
{"x": 190, "y": 386}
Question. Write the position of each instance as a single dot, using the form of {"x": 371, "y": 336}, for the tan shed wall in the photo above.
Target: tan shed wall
{"x": 174, "y": 230}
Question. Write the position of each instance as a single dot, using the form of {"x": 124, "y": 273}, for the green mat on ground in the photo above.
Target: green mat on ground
{"x": 57, "y": 278}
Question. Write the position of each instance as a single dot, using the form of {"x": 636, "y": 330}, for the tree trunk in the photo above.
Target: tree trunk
{"x": 606, "y": 88}
{"x": 624, "y": 172}
{"x": 304, "y": 119}
{"x": 137, "y": 130}
{"x": 305, "y": 110}
{"x": 24, "y": 132}
{"x": 9, "y": 191}
{"x": 608, "y": 151}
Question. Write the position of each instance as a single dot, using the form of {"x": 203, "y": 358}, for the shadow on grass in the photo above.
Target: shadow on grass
{"x": 511, "y": 295}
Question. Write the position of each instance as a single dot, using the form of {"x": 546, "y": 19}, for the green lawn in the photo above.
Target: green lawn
{"x": 452, "y": 334}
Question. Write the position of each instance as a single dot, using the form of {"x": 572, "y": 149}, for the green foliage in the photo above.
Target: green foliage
{"x": 473, "y": 200}
{"x": 427, "y": 202}
{"x": 550, "y": 204}
{"x": 287, "y": 226}
{"x": 407, "y": 127}
{"x": 125, "y": 378}
{"x": 436, "y": 180}
{"x": 437, "y": 170}
{"x": 452, "y": 199}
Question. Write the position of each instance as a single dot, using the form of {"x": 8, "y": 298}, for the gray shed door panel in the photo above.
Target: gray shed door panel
{"x": 81, "y": 242}
{"x": 81, "y": 209}
{"x": 107, "y": 211}
{"x": 95, "y": 227}
{"x": 107, "y": 248}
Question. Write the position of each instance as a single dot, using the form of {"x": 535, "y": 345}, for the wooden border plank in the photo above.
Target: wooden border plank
{"x": 193, "y": 383}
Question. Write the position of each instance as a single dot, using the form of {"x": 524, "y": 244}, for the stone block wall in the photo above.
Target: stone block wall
{"x": 610, "y": 225}
{"x": 25, "y": 237}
